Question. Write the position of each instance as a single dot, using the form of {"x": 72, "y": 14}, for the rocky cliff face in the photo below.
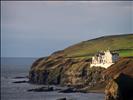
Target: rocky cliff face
{"x": 120, "y": 80}
{"x": 124, "y": 65}
{"x": 120, "y": 88}
{"x": 58, "y": 69}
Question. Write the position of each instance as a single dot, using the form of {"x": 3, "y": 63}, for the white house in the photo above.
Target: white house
{"x": 104, "y": 59}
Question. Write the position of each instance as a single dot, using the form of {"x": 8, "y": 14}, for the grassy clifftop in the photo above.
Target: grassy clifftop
{"x": 123, "y": 44}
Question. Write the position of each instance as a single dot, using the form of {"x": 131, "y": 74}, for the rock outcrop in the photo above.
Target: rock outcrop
{"x": 41, "y": 89}
{"x": 124, "y": 65}
{"x": 120, "y": 88}
{"x": 119, "y": 79}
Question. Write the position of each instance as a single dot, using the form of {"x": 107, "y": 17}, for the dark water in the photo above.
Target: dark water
{"x": 13, "y": 67}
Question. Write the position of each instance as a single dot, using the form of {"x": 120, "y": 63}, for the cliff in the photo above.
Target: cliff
{"x": 120, "y": 80}
{"x": 71, "y": 66}
{"x": 120, "y": 88}
{"x": 124, "y": 65}
{"x": 65, "y": 71}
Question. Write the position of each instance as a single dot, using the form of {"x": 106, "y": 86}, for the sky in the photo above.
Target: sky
{"x": 39, "y": 28}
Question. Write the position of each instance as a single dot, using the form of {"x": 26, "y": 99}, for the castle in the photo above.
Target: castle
{"x": 104, "y": 59}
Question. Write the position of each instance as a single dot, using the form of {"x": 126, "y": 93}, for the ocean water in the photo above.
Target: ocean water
{"x": 15, "y": 67}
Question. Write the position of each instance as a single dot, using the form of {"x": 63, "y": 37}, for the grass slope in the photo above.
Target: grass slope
{"x": 123, "y": 44}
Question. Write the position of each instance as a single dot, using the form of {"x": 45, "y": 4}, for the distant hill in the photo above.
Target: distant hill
{"x": 123, "y": 44}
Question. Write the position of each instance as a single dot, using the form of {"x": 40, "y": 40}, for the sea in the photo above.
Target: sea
{"x": 12, "y": 67}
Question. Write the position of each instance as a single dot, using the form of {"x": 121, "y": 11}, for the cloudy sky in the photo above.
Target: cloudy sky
{"x": 38, "y": 28}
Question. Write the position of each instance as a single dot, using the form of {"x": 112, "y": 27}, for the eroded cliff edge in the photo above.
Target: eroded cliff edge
{"x": 120, "y": 88}
{"x": 120, "y": 80}
{"x": 58, "y": 69}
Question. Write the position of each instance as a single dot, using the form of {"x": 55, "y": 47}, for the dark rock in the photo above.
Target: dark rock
{"x": 68, "y": 90}
{"x": 120, "y": 88}
{"x": 41, "y": 89}
{"x": 61, "y": 99}
{"x": 20, "y": 77}
{"x": 21, "y": 81}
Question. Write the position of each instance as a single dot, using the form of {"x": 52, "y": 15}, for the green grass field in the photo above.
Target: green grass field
{"x": 122, "y": 53}
{"x": 126, "y": 53}
{"x": 86, "y": 49}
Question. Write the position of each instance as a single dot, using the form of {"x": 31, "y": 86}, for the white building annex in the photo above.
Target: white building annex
{"x": 104, "y": 59}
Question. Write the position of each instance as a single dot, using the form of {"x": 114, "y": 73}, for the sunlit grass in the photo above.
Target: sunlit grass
{"x": 126, "y": 53}
{"x": 88, "y": 48}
